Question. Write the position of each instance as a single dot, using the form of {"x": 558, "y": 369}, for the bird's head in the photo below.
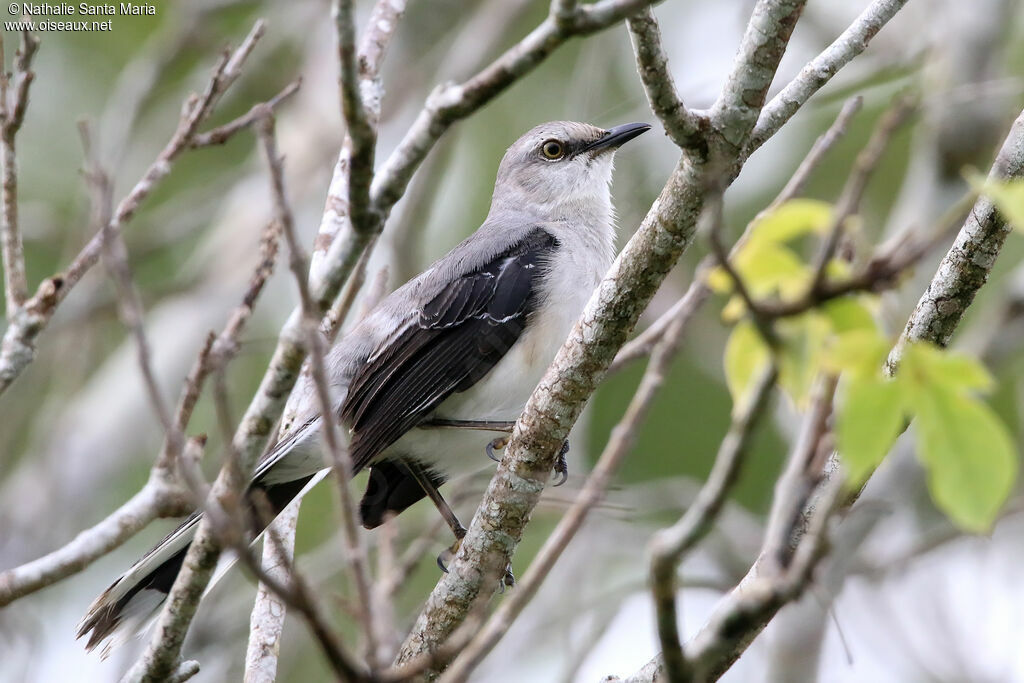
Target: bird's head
{"x": 559, "y": 167}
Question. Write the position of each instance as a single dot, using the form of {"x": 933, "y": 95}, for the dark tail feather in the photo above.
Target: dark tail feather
{"x": 130, "y": 602}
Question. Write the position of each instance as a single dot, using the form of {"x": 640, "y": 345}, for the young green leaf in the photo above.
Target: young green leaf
{"x": 790, "y": 220}
{"x": 869, "y": 420}
{"x": 745, "y": 357}
{"x": 970, "y": 457}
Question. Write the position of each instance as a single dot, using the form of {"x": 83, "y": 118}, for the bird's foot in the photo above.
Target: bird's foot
{"x": 507, "y": 580}
{"x": 496, "y": 445}
{"x": 448, "y": 554}
{"x": 561, "y": 466}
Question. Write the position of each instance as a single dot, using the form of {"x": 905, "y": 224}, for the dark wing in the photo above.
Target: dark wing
{"x": 457, "y": 338}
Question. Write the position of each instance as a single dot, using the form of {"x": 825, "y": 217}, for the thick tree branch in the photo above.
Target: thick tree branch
{"x": 735, "y": 111}
{"x": 698, "y": 292}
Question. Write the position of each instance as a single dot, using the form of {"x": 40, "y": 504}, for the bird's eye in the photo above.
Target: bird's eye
{"x": 552, "y": 149}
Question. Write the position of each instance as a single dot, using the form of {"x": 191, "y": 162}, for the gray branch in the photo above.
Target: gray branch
{"x": 967, "y": 265}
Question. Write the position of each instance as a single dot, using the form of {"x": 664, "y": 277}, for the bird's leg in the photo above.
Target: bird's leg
{"x": 448, "y": 514}
{"x": 480, "y": 425}
{"x": 561, "y": 466}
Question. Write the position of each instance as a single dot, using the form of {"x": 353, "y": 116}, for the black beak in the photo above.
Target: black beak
{"x": 618, "y": 136}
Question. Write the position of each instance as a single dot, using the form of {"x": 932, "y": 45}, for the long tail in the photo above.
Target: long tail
{"x": 130, "y": 603}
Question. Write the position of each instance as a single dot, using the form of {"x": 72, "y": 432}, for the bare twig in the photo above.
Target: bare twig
{"x": 821, "y": 69}
{"x": 221, "y": 134}
{"x": 336, "y": 456}
{"x": 266, "y": 623}
{"x": 26, "y": 323}
{"x": 669, "y": 546}
{"x": 682, "y": 125}
{"x": 11, "y": 117}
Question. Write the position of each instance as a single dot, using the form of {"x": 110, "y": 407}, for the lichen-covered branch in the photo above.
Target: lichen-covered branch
{"x": 620, "y": 444}
{"x": 682, "y": 125}
{"x": 821, "y": 69}
{"x": 969, "y": 261}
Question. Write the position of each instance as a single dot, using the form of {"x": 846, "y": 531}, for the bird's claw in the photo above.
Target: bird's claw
{"x": 561, "y": 466}
{"x": 496, "y": 445}
{"x": 447, "y": 555}
{"x": 507, "y": 580}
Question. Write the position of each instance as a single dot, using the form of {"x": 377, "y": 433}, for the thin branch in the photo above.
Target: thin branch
{"x": 12, "y": 115}
{"x": 795, "y": 185}
{"x": 361, "y": 133}
{"x": 17, "y": 350}
{"x": 266, "y": 623}
{"x": 669, "y": 546}
{"x": 162, "y": 496}
{"x": 966, "y": 266}
{"x": 682, "y": 125}
{"x": 821, "y": 69}
{"x": 863, "y": 168}
{"x": 336, "y": 456}
{"x": 221, "y": 134}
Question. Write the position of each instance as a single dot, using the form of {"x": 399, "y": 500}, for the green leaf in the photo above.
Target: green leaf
{"x": 1008, "y": 196}
{"x": 770, "y": 268}
{"x": 970, "y": 457}
{"x": 803, "y": 341}
{"x": 793, "y": 219}
{"x": 746, "y": 356}
{"x": 849, "y": 313}
{"x": 860, "y": 352}
{"x": 931, "y": 365}
{"x": 870, "y": 419}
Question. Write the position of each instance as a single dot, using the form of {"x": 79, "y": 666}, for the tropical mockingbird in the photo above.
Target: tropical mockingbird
{"x": 463, "y": 344}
